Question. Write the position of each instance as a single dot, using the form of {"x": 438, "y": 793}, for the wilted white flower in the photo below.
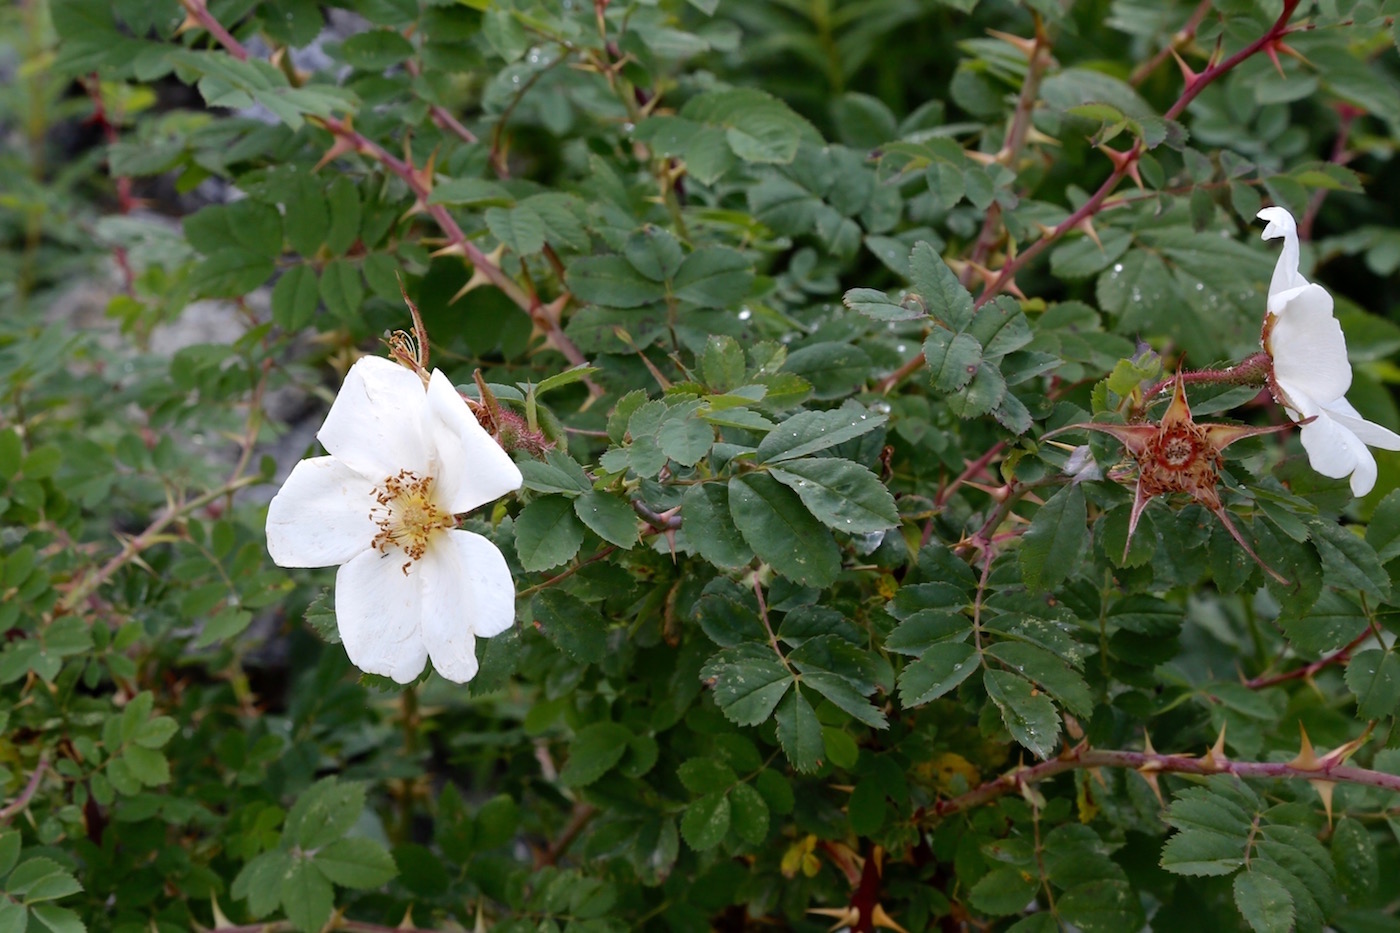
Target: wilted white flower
{"x": 403, "y": 462}
{"x": 1081, "y": 465}
{"x": 1311, "y": 373}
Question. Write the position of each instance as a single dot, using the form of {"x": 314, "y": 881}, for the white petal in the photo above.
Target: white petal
{"x": 1332, "y": 450}
{"x": 379, "y": 609}
{"x": 471, "y": 469}
{"x": 1286, "y": 275}
{"x": 1368, "y": 432}
{"x": 320, "y": 516}
{"x": 1363, "y": 479}
{"x": 467, "y": 592}
{"x": 373, "y": 426}
{"x": 1308, "y": 347}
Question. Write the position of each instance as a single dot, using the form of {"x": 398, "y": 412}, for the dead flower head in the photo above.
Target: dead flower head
{"x": 1177, "y": 455}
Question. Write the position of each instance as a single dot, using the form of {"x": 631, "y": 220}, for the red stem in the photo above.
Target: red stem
{"x": 1307, "y": 671}
{"x": 201, "y": 15}
{"x": 125, "y": 203}
{"x": 1347, "y": 115}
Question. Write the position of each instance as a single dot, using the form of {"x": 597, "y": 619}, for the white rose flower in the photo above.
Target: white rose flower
{"x": 1311, "y": 373}
{"x": 403, "y": 462}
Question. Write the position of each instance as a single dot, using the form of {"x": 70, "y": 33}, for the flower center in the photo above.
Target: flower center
{"x": 1180, "y": 459}
{"x": 1177, "y": 450}
{"x": 407, "y": 515}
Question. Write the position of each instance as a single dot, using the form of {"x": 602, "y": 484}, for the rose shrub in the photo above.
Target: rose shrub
{"x": 815, "y": 333}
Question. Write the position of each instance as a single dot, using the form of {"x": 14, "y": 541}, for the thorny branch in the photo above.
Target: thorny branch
{"x": 1013, "y": 781}
{"x": 544, "y": 316}
{"x": 1124, "y": 165}
{"x": 30, "y": 789}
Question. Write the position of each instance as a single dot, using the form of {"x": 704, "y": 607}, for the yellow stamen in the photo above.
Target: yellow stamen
{"x": 408, "y": 516}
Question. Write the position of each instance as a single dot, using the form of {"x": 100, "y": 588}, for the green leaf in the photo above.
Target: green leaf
{"x": 557, "y": 473}
{"x": 307, "y": 217}
{"x": 9, "y": 850}
{"x": 1028, "y": 714}
{"x": 1264, "y": 903}
{"x": 470, "y": 192}
{"x": 706, "y": 821}
{"x": 942, "y": 667}
{"x": 341, "y": 289}
{"x": 594, "y": 751}
{"x": 1051, "y": 546}
{"x": 560, "y": 379}
{"x": 307, "y": 896}
{"x": 11, "y": 453}
{"x": 294, "y": 298}
{"x": 799, "y": 732}
{"x": 834, "y": 369}
{"x": 953, "y": 359}
{"x": 1105, "y": 905}
{"x": 520, "y": 228}
{"x": 343, "y": 196}
{"x": 686, "y": 438}
{"x": 40, "y": 879}
{"x": 1383, "y": 533}
{"x": 1354, "y": 856}
{"x": 1139, "y": 280}
{"x": 709, "y": 526}
{"x": 654, "y": 252}
{"x": 706, "y": 775}
{"x": 749, "y": 812}
{"x": 1202, "y": 853}
{"x": 356, "y": 862}
{"x": 547, "y": 533}
{"x": 945, "y": 297}
{"x": 249, "y": 225}
{"x": 231, "y": 272}
{"x": 146, "y": 765}
{"x": 1198, "y": 809}
{"x": 1054, "y": 676}
{"x": 1373, "y": 676}
{"x": 810, "y": 431}
{"x": 722, "y": 364}
{"x": 781, "y": 531}
{"x": 925, "y": 628}
{"x": 324, "y": 812}
{"x": 1004, "y": 890}
{"x": 1348, "y": 560}
{"x": 983, "y": 394}
{"x": 714, "y": 277}
{"x": 55, "y": 919}
{"x": 878, "y": 306}
{"x": 843, "y": 495}
{"x": 611, "y": 281}
{"x": 748, "y": 681}
{"x": 1000, "y": 327}
{"x": 575, "y": 627}
{"x": 260, "y": 882}
{"x": 609, "y": 517}
{"x": 758, "y": 126}
{"x": 14, "y": 916}
{"x": 946, "y": 182}
{"x": 704, "y": 148}
{"x": 376, "y": 49}
{"x": 1333, "y": 621}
